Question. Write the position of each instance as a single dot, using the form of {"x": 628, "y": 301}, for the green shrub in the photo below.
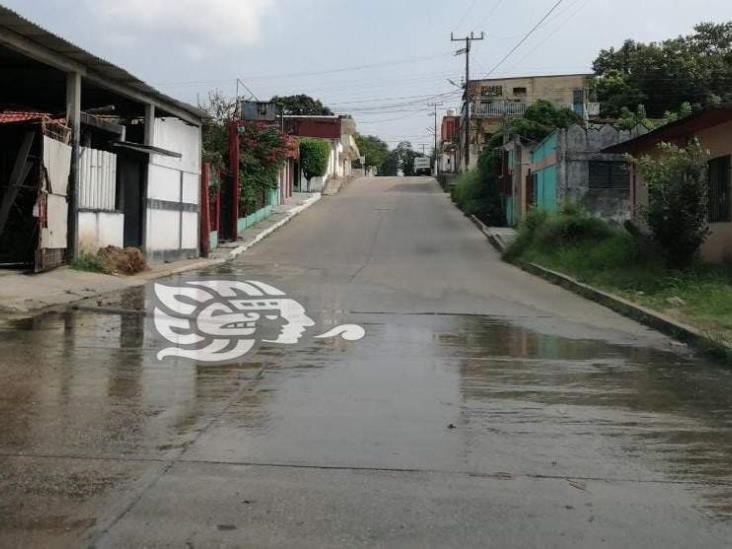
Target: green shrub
{"x": 527, "y": 231}
{"x": 314, "y": 155}
{"x": 570, "y": 225}
{"x": 546, "y": 231}
{"x": 472, "y": 194}
{"x": 677, "y": 200}
{"x": 91, "y": 263}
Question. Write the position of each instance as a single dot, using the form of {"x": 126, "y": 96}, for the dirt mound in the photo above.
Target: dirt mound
{"x": 123, "y": 261}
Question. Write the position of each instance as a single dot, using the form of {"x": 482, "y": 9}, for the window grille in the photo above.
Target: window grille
{"x": 719, "y": 190}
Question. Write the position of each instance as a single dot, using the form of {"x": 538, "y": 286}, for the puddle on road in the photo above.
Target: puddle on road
{"x": 83, "y": 383}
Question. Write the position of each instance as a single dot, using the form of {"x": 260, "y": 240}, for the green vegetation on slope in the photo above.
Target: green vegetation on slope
{"x": 611, "y": 259}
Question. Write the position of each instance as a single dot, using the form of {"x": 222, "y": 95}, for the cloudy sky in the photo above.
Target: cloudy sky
{"x": 381, "y": 60}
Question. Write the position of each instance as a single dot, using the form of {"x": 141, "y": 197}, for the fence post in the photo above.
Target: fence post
{"x": 205, "y": 219}
{"x": 234, "y": 155}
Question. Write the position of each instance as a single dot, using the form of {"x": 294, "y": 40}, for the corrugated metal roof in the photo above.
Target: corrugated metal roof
{"x": 30, "y": 31}
{"x": 16, "y": 117}
{"x": 712, "y": 115}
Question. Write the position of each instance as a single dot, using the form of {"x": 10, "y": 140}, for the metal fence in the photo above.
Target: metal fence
{"x": 98, "y": 180}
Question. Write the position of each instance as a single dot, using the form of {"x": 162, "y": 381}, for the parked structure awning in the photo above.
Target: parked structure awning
{"x": 146, "y": 149}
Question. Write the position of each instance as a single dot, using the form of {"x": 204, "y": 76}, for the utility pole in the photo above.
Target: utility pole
{"x": 466, "y": 50}
{"x": 435, "y": 105}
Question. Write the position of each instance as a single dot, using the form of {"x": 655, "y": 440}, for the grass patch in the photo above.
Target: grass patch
{"x": 611, "y": 259}
{"x": 90, "y": 263}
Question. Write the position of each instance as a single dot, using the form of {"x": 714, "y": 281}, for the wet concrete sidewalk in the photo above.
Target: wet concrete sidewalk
{"x": 22, "y": 293}
{"x": 484, "y": 407}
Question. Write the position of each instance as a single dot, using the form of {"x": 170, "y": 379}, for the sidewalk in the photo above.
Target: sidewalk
{"x": 282, "y": 215}
{"x": 21, "y": 294}
{"x": 500, "y": 237}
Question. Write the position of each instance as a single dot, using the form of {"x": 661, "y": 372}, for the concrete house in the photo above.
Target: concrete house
{"x": 570, "y": 164}
{"x": 494, "y": 101}
{"x": 109, "y": 160}
{"x": 339, "y": 131}
{"x": 713, "y": 127}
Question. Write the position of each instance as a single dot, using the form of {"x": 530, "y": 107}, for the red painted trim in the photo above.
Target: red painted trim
{"x": 234, "y": 169}
{"x": 205, "y": 221}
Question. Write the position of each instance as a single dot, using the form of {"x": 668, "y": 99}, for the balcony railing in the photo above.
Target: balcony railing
{"x": 500, "y": 109}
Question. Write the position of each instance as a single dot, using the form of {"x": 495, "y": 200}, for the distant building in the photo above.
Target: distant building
{"x": 449, "y": 156}
{"x": 495, "y": 101}
{"x": 339, "y": 131}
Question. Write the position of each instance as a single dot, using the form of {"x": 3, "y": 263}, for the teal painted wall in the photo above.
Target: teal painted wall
{"x": 545, "y": 182}
{"x": 260, "y": 215}
{"x": 545, "y": 148}
{"x": 510, "y": 205}
{"x": 545, "y": 189}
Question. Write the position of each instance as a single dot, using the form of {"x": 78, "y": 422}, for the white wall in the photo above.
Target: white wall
{"x": 57, "y": 166}
{"x": 175, "y": 184}
{"x": 100, "y": 229}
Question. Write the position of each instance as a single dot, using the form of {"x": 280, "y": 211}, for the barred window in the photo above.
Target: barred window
{"x": 492, "y": 91}
{"x": 719, "y": 190}
{"x": 609, "y": 175}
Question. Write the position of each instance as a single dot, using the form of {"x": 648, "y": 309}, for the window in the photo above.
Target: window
{"x": 609, "y": 175}
{"x": 492, "y": 91}
{"x": 520, "y": 92}
{"x": 719, "y": 190}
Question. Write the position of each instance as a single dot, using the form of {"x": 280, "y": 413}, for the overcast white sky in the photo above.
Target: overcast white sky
{"x": 381, "y": 60}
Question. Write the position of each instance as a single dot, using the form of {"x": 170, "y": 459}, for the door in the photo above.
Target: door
{"x": 52, "y": 206}
{"x": 130, "y": 185}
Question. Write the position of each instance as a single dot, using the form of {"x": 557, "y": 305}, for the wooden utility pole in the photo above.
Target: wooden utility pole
{"x": 466, "y": 50}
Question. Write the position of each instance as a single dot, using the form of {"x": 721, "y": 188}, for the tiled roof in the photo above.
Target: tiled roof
{"x": 14, "y": 117}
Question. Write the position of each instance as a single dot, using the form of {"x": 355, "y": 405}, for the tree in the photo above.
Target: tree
{"x": 541, "y": 119}
{"x": 696, "y": 68}
{"x": 264, "y": 149}
{"x": 374, "y": 149}
{"x": 406, "y": 157}
{"x": 215, "y": 131}
{"x": 677, "y": 200}
{"x": 399, "y": 159}
{"x": 314, "y": 155}
{"x": 301, "y": 105}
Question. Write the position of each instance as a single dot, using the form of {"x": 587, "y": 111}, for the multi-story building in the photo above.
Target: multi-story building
{"x": 449, "y": 161}
{"x": 495, "y": 101}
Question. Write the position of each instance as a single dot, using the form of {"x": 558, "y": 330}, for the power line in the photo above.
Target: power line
{"x": 526, "y": 37}
{"x": 490, "y": 13}
{"x": 402, "y": 61}
{"x": 556, "y": 30}
{"x": 465, "y": 15}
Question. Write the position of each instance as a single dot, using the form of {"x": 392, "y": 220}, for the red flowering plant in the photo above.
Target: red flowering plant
{"x": 263, "y": 151}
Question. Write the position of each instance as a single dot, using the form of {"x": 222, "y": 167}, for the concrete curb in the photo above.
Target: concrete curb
{"x": 294, "y": 212}
{"x": 497, "y": 243}
{"x": 648, "y": 317}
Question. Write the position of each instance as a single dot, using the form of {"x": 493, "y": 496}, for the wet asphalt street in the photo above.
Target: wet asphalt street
{"x": 484, "y": 408}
